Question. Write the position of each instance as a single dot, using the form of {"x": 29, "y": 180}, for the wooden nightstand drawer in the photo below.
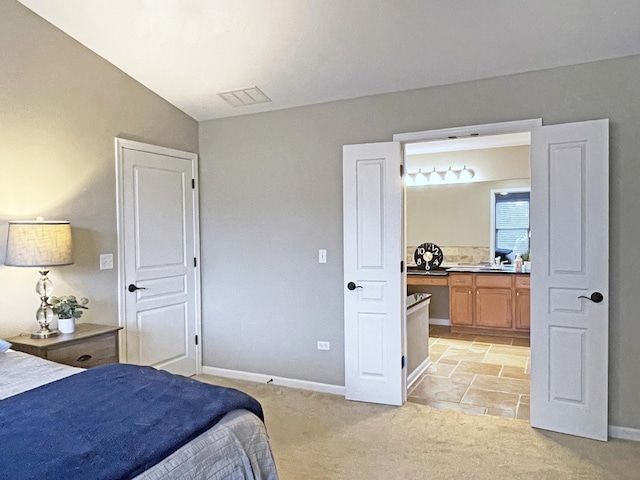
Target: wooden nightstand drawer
{"x": 87, "y": 354}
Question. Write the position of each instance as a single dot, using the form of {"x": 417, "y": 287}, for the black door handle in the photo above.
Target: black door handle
{"x": 133, "y": 288}
{"x": 596, "y": 297}
{"x": 352, "y": 286}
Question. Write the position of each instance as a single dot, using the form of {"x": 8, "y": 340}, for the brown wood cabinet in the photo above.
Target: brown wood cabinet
{"x": 491, "y": 304}
{"x": 89, "y": 346}
{"x": 461, "y": 305}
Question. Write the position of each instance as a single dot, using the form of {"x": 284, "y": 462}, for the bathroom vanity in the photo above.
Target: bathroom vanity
{"x": 482, "y": 301}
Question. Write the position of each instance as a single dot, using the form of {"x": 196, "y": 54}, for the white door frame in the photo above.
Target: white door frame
{"x": 120, "y": 145}
{"x": 457, "y": 132}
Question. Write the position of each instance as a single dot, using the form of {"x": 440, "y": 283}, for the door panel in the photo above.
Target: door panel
{"x": 493, "y": 307}
{"x": 160, "y": 200}
{"x": 523, "y": 309}
{"x": 461, "y": 305}
{"x": 373, "y": 245}
{"x": 569, "y": 246}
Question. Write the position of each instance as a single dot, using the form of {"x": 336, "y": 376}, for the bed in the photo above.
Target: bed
{"x": 236, "y": 447}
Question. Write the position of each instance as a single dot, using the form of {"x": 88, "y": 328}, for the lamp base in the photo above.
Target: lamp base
{"x": 45, "y": 333}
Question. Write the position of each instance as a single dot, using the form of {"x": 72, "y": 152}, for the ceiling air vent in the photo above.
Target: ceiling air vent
{"x": 244, "y": 97}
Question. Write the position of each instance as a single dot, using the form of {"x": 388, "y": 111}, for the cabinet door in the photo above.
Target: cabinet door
{"x": 523, "y": 309}
{"x": 461, "y": 305}
{"x": 494, "y": 307}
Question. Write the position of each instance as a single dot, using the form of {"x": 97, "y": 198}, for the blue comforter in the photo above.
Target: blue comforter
{"x": 109, "y": 422}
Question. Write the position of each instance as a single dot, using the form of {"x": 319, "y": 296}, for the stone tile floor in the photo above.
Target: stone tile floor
{"x": 475, "y": 374}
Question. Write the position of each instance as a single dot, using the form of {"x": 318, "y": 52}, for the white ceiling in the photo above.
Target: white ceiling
{"x": 300, "y": 52}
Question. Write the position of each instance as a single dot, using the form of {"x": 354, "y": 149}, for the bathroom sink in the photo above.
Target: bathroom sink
{"x": 482, "y": 269}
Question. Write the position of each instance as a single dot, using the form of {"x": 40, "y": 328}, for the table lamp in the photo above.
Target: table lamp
{"x": 41, "y": 244}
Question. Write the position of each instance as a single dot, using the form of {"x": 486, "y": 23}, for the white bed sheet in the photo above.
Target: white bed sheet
{"x": 237, "y": 448}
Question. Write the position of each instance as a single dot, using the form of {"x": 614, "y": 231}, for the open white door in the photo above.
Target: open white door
{"x": 374, "y": 301}
{"x": 157, "y": 252}
{"x": 570, "y": 278}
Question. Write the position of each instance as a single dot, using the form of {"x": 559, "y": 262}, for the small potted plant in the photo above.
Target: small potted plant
{"x": 526, "y": 259}
{"x": 68, "y": 308}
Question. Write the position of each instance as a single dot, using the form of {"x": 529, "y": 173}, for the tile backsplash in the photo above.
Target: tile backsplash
{"x": 456, "y": 255}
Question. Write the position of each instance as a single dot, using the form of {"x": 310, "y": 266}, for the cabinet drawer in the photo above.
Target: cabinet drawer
{"x": 523, "y": 282}
{"x": 493, "y": 280}
{"x": 463, "y": 280}
{"x": 426, "y": 280}
{"x": 86, "y": 354}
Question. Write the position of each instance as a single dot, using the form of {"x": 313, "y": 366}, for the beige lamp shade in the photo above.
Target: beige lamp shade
{"x": 39, "y": 244}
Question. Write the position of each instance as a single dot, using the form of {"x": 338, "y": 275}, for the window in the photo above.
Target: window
{"x": 512, "y": 230}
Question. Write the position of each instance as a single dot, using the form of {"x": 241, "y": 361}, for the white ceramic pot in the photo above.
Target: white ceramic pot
{"x": 67, "y": 325}
{"x": 527, "y": 266}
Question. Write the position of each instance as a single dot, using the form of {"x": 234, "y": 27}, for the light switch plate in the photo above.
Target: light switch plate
{"x": 106, "y": 261}
{"x": 322, "y": 256}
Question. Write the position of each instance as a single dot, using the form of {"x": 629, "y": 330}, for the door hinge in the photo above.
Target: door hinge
{"x": 401, "y": 170}
{"x": 193, "y": 183}
{"x": 195, "y": 262}
{"x": 401, "y": 266}
{"x": 404, "y": 361}
{"x": 196, "y": 339}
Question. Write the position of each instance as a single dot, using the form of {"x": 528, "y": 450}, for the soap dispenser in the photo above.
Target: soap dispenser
{"x": 518, "y": 263}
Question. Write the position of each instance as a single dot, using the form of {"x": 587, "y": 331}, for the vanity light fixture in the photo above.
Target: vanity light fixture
{"x": 435, "y": 177}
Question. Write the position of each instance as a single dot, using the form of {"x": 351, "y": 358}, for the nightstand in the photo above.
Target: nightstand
{"x": 89, "y": 346}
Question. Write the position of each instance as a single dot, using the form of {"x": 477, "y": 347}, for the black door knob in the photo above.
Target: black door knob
{"x": 133, "y": 288}
{"x": 352, "y": 286}
{"x": 596, "y": 297}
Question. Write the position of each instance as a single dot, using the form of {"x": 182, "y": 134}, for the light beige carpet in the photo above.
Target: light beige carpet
{"x": 322, "y": 436}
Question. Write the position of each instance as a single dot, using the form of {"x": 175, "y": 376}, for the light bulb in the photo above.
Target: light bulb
{"x": 450, "y": 176}
{"x": 420, "y": 179}
{"x": 465, "y": 174}
{"x": 435, "y": 177}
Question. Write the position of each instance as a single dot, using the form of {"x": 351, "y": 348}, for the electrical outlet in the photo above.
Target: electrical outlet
{"x": 106, "y": 261}
{"x": 324, "y": 345}
{"x": 322, "y": 256}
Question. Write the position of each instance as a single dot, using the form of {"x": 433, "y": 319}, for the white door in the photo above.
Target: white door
{"x": 374, "y": 289}
{"x": 569, "y": 278}
{"x": 157, "y": 251}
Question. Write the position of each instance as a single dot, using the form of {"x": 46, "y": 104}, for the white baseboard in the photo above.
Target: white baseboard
{"x": 282, "y": 381}
{"x": 439, "y": 321}
{"x": 624, "y": 433}
{"x": 413, "y": 376}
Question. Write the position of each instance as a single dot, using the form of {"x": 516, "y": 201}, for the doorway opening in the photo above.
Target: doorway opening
{"x": 469, "y": 196}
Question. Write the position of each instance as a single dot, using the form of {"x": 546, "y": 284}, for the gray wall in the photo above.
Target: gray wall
{"x": 60, "y": 108}
{"x": 271, "y": 196}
